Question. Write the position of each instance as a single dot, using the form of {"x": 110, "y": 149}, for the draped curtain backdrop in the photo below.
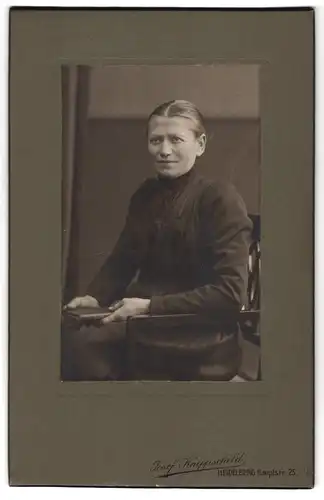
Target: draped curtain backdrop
{"x": 75, "y": 97}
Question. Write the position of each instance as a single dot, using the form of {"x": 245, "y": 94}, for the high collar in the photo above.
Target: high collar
{"x": 177, "y": 183}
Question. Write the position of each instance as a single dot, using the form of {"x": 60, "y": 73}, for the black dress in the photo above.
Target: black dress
{"x": 185, "y": 246}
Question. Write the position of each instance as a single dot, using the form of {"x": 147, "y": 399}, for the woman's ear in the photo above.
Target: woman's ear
{"x": 202, "y": 140}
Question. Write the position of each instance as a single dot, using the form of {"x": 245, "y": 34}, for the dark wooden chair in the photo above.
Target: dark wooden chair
{"x": 249, "y": 318}
{"x": 191, "y": 335}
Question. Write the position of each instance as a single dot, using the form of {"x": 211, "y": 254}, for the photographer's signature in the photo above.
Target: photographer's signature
{"x": 176, "y": 467}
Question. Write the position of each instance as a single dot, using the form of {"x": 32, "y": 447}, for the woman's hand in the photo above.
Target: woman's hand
{"x": 128, "y": 307}
{"x": 86, "y": 301}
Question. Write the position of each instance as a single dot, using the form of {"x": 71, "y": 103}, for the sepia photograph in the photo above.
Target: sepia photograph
{"x": 161, "y": 259}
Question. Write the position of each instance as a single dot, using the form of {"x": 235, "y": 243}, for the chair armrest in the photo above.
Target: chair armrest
{"x": 182, "y": 333}
{"x": 181, "y": 320}
{"x": 186, "y": 323}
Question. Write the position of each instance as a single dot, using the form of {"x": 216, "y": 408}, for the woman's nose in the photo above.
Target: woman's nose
{"x": 165, "y": 149}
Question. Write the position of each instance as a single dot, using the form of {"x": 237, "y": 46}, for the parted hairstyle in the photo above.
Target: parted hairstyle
{"x": 184, "y": 109}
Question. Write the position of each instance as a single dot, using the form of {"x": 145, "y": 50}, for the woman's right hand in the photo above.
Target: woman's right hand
{"x": 86, "y": 301}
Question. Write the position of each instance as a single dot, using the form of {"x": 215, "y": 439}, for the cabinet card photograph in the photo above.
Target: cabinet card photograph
{"x": 161, "y": 248}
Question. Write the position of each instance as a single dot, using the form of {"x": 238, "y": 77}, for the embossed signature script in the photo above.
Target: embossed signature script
{"x": 195, "y": 464}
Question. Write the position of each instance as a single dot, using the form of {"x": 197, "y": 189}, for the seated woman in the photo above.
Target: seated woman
{"x": 184, "y": 249}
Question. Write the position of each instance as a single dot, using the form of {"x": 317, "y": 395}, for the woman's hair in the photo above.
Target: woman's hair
{"x": 184, "y": 109}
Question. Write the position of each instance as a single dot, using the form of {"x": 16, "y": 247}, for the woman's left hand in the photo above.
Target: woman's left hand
{"x": 128, "y": 307}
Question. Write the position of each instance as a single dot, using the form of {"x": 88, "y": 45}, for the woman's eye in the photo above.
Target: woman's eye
{"x": 155, "y": 141}
{"x": 176, "y": 140}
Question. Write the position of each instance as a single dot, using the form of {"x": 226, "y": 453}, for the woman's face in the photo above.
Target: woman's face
{"x": 174, "y": 145}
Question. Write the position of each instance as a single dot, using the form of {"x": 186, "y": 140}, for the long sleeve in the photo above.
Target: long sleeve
{"x": 121, "y": 266}
{"x": 226, "y": 235}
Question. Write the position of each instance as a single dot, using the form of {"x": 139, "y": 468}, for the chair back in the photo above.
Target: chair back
{"x": 254, "y": 267}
